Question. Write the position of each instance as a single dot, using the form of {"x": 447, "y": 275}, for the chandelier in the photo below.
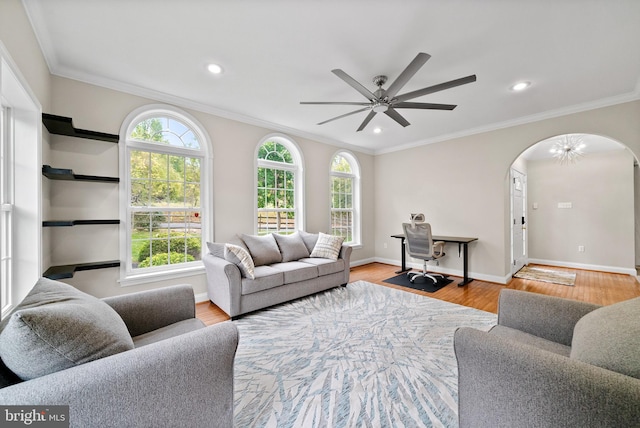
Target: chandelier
{"x": 568, "y": 150}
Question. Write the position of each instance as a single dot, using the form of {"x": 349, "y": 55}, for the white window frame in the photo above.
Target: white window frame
{"x": 356, "y": 211}
{"x": 129, "y": 276}
{"x": 297, "y": 167}
{"x": 21, "y": 234}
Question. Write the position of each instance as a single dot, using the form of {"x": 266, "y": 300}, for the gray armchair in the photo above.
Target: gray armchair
{"x": 551, "y": 362}
{"x": 179, "y": 373}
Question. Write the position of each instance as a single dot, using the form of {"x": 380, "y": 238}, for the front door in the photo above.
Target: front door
{"x": 518, "y": 220}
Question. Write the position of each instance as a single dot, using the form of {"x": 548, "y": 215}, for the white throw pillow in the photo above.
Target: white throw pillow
{"x": 240, "y": 257}
{"x": 328, "y": 246}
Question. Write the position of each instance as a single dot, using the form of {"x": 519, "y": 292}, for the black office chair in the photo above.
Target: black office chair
{"x": 419, "y": 244}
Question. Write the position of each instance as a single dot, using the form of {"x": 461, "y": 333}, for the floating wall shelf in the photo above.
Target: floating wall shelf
{"x": 68, "y": 175}
{"x": 67, "y": 271}
{"x": 61, "y": 125}
{"x": 66, "y": 223}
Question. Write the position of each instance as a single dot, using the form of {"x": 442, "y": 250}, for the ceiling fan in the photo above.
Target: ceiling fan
{"x": 386, "y": 101}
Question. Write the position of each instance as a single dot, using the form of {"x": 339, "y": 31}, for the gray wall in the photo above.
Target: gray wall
{"x": 600, "y": 189}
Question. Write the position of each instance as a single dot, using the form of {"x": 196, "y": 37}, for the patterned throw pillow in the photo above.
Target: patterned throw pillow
{"x": 328, "y": 246}
{"x": 240, "y": 257}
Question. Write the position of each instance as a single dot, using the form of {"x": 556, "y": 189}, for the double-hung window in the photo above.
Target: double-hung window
{"x": 345, "y": 197}
{"x": 6, "y": 208}
{"x": 167, "y": 217}
{"x": 278, "y": 186}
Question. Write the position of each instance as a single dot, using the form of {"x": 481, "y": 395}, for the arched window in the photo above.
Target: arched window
{"x": 167, "y": 215}
{"x": 345, "y": 197}
{"x": 279, "y": 206}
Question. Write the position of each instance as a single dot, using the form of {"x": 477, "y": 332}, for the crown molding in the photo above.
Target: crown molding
{"x": 550, "y": 114}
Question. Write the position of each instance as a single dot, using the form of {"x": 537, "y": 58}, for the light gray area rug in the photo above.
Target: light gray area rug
{"x": 364, "y": 355}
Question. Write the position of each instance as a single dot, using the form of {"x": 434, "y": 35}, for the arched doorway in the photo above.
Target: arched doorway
{"x": 578, "y": 213}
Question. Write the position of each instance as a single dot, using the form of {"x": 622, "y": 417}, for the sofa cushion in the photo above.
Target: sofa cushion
{"x": 328, "y": 246}
{"x": 241, "y": 258}
{"x": 292, "y": 247}
{"x": 325, "y": 266}
{"x": 263, "y": 249}
{"x": 266, "y": 277}
{"x": 217, "y": 249}
{"x": 530, "y": 339}
{"x": 296, "y": 271}
{"x": 309, "y": 239}
{"x": 167, "y": 332}
{"x": 57, "y": 327}
{"x": 609, "y": 337}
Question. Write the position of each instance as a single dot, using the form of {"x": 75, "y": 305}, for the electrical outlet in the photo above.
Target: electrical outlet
{"x": 384, "y": 245}
{"x": 581, "y": 248}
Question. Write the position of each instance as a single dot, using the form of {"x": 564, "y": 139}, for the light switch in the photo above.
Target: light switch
{"x": 565, "y": 205}
{"x": 535, "y": 205}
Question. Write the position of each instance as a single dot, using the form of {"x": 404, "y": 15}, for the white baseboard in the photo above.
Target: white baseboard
{"x": 455, "y": 272}
{"x": 202, "y": 297}
{"x": 362, "y": 262}
{"x": 600, "y": 268}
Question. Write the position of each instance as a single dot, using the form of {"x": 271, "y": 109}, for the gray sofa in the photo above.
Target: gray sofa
{"x": 164, "y": 367}
{"x": 551, "y": 362}
{"x": 286, "y": 267}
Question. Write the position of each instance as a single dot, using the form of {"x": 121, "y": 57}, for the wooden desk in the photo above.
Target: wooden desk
{"x": 463, "y": 243}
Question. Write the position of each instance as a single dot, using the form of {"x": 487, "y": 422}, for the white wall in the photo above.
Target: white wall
{"x": 462, "y": 185}
{"x": 600, "y": 189}
{"x": 234, "y": 145}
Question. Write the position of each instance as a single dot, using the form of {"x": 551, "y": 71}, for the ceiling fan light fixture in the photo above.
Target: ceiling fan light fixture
{"x": 379, "y": 107}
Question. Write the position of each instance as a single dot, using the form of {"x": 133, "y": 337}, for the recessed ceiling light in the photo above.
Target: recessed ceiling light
{"x": 520, "y": 86}
{"x": 377, "y": 130}
{"x": 214, "y": 68}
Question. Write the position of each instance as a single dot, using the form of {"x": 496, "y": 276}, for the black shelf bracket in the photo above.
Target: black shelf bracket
{"x": 61, "y": 125}
{"x": 67, "y": 271}
{"x": 68, "y": 175}
{"x": 67, "y": 223}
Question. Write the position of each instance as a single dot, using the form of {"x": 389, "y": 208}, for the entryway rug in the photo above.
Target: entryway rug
{"x": 546, "y": 275}
{"x": 364, "y": 355}
{"x": 428, "y": 286}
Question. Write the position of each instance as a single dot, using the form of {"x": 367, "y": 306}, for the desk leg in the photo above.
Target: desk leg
{"x": 403, "y": 257}
{"x": 465, "y": 264}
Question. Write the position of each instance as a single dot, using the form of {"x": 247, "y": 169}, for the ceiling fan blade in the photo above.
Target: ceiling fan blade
{"x": 354, "y": 84}
{"x": 436, "y": 88}
{"x": 407, "y": 74}
{"x": 344, "y": 115}
{"x": 366, "y": 120}
{"x": 396, "y": 116}
{"x": 340, "y": 103}
{"x": 426, "y": 106}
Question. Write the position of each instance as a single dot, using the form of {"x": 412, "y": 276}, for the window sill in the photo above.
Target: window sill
{"x": 161, "y": 276}
{"x": 354, "y": 246}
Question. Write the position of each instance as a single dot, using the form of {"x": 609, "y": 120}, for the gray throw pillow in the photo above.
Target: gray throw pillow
{"x": 264, "y": 249}
{"x": 609, "y": 337}
{"x": 291, "y": 246}
{"x": 57, "y": 327}
{"x": 216, "y": 249}
{"x": 309, "y": 239}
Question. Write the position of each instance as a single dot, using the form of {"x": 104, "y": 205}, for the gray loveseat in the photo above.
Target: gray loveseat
{"x": 137, "y": 360}
{"x": 276, "y": 269}
{"x": 551, "y": 362}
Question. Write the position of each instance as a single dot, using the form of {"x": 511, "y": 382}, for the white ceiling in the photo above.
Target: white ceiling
{"x": 578, "y": 54}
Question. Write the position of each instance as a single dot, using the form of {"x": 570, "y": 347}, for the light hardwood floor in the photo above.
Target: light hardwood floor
{"x": 591, "y": 286}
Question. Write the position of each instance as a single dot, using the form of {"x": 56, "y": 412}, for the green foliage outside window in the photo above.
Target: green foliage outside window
{"x": 170, "y": 182}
